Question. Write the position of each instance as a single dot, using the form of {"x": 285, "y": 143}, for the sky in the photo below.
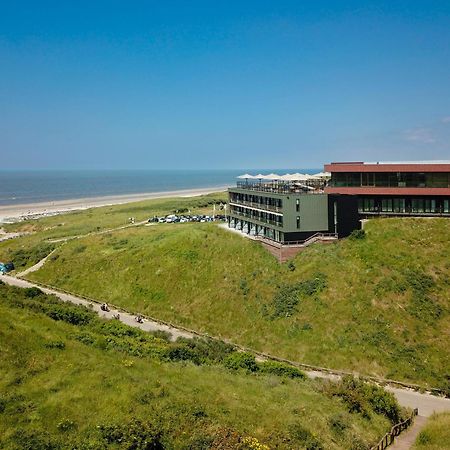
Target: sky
{"x": 222, "y": 84}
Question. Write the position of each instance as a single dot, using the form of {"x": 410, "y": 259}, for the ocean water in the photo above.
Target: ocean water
{"x": 22, "y": 187}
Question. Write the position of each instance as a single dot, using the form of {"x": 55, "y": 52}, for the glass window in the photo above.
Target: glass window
{"x": 297, "y": 205}
{"x": 369, "y": 205}
{"x": 417, "y": 205}
{"x": 386, "y": 205}
{"x": 298, "y": 221}
{"x": 447, "y": 206}
{"x": 399, "y": 205}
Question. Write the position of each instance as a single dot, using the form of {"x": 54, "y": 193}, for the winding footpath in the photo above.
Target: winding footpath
{"x": 426, "y": 403}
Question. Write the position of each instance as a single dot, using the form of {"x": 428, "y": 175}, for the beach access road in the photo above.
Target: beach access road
{"x": 426, "y": 403}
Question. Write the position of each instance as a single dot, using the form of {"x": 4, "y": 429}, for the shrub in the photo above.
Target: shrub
{"x": 66, "y": 425}
{"x": 286, "y": 299}
{"x": 34, "y": 440}
{"x": 383, "y": 402}
{"x": 360, "y": 396}
{"x": 179, "y": 352}
{"x": 60, "y": 345}
{"x": 163, "y": 335}
{"x": 206, "y": 351}
{"x": 135, "y": 435}
{"x": 243, "y": 286}
{"x": 281, "y": 369}
{"x": 79, "y": 249}
{"x": 32, "y": 292}
{"x": 300, "y": 434}
{"x": 241, "y": 360}
{"x": 22, "y": 257}
{"x": 338, "y": 423}
{"x": 357, "y": 234}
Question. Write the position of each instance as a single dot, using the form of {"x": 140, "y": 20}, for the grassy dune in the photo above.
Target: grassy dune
{"x": 436, "y": 434}
{"x": 106, "y": 217}
{"x": 70, "y": 380}
{"x": 378, "y": 305}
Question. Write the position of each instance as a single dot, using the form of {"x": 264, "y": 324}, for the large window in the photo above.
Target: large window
{"x": 391, "y": 179}
{"x": 417, "y": 205}
{"x": 386, "y": 205}
{"x": 369, "y": 205}
{"x": 399, "y": 205}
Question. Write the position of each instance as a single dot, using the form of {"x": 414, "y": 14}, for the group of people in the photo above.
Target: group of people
{"x": 105, "y": 307}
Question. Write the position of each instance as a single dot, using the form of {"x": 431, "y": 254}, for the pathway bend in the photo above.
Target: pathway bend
{"x": 426, "y": 403}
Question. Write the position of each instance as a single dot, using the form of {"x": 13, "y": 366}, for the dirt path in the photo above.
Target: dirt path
{"x": 426, "y": 403}
{"x": 406, "y": 440}
{"x": 125, "y": 317}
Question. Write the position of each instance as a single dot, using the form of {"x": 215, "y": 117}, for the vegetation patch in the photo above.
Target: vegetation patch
{"x": 287, "y": 297}
{"x": 96, "y": 384}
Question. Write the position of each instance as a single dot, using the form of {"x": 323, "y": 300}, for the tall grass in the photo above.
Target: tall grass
{"x": 70, "y": 383}
{"x": 378, "y": 305}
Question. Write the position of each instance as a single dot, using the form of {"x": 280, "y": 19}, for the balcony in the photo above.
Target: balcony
{"x": 276, "y": 187}
{"x": 258, "y": 205}
{"x": 256, "y": 218}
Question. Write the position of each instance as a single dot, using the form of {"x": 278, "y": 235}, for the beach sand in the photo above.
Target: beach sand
{"x": 13, "y": 213}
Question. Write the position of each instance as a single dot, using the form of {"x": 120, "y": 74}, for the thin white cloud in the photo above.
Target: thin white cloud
{"x": 445, "y": 119}
{"x": 420, "y": 135}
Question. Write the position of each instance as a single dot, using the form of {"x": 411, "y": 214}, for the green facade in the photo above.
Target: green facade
{"x": 300, "y": 212}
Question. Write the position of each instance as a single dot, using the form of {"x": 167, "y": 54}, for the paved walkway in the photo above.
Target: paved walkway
{"x": 125, "y": 317}
{"x": 426, "y": 403}
{"x": 406, "y": 440}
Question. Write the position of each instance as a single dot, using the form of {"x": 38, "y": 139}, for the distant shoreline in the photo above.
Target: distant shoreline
{"x": 14, "y": 213}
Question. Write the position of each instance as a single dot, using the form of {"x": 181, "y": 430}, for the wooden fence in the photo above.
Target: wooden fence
{"x": 389, "y": 437}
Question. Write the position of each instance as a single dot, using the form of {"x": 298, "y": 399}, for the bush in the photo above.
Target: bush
{"x": 383, "y": 402}
{"x": 305, "y": 437}
{"x": 241, "y": 360}
{"x": 360, "y": 397}
{"x": 179, "y": 353}
{"x": 60, "y": 345}
{"x": 34, "y": 440}
{"x": 207, "y": 351}
{"x": 135, "y": 435}
{"x": 31, "y": 256}
{"x": 286, "y": 299}
{"x": 32, "y": 292}
{"x": 281, "y": 369}
{"x": 66, "y": 425}
{"x": 338, "y": 423}
{"x": 243, "y": 286}
{"x": 357, "y": 234}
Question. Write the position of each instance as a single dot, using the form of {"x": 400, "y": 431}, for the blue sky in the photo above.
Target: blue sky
{"x": 222, "y": 84}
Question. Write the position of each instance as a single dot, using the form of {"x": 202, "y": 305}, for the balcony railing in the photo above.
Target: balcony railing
{"x": 257, "y": 218}
{"x": 282, "y": 188}
{"x": 257, "y": 205}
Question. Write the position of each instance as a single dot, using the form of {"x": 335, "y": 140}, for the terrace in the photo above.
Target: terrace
{"x": 296, "y": 183}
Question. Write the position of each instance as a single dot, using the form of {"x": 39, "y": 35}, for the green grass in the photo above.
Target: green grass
{"x": 102, "y": 218}
{"x": 436, "y": 433}
{"x": 70, "y": 380}
{"x": 378, "y": 305}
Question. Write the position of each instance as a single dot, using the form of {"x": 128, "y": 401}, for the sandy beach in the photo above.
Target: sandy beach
{"x": 13, "y": 213}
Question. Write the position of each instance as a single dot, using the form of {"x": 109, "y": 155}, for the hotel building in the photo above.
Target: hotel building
{"x": 394, "y": 189}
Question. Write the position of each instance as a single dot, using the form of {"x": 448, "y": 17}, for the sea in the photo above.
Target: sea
{"x": 36, "y": 186}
